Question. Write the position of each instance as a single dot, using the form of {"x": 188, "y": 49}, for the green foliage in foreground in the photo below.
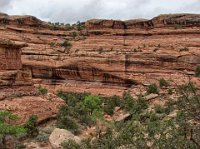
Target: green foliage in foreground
{"x": 6, "y": 128}
{"x": 153, "y": 128}
{"x": 77, "y": 112}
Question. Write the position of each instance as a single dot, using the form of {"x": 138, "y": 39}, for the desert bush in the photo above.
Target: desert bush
{"x": 31, "y": 126}
{"x": 43, "y": 137}
{"x": 70, "y": 144}
{"x": 184, "y": 49}
{"x": 52, "y": 44}
{"x": 66, "y": 44}
{"x": 80, "y": 26}
{"x": 152, "y": 88}
{"x": 163, "y": 82}
{"x": 128, "y": 101}
{"x": 65, "y": 121}
{"x": 197, "y": 71}
{"x": 156, "y": 49}
{"x": 42, "y": 90}
{"x": 74, "y": 34}
{"x": 100, "y": 50}
{"x": 153, "y": 128}
{"x": 170, "y": 91}
{"x": 159, "y": 109}
{"x": 110, "y": 103}
{"x": 169, "y": 106}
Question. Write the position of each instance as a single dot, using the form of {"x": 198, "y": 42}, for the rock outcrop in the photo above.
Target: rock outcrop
{"x": 60, "y": 136}
{"x": 168, "y": 20}
{"x": 17, "y": 91}
{"x": 20, "y": 20}
{"x": 13, "y": 79}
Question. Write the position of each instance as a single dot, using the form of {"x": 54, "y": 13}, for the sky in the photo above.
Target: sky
{"x": 71, "y": 11}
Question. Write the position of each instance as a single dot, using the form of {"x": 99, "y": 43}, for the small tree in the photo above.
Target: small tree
{"x": 92, "y": 104}
{"x": 31, "y": 126}
{"x": 6, "y": 128}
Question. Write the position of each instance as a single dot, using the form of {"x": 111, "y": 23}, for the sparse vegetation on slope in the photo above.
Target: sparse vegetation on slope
{"x": 152, "y": 128}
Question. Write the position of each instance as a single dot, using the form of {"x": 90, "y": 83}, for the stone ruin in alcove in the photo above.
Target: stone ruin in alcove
{"x": 10, "y": 55}
{"x": 13, "y": 79}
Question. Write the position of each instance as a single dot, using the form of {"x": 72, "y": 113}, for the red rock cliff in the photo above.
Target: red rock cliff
{"x": 110, "y": 56}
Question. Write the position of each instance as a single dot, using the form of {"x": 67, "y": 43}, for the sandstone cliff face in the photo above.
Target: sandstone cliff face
{"x": 20, "y": 20}
{"x": 17, "y": 91}
{"x": 109, "y": 56}
{"x": 173, "y": 20}
{"x": 10, "y": 55}
{"x": 12, "y": 77}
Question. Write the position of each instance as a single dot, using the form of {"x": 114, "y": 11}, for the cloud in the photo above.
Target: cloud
{"x": 4, "y": 4}
{"x": 74, "y": 10}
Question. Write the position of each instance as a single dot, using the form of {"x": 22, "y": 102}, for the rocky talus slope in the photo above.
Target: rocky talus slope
{"x": 106, "y": 57}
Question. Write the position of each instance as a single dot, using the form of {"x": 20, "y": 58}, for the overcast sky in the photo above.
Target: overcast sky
{"x": 74, "y": 10}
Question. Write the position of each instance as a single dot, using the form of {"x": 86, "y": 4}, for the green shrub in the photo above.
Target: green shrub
{"x": 169, "y": 106}
{"x": 100, "y": 50}
{"x": 156, "y": 49}
{"x": 42, "y": 90}
{"x": 92, "y": 105}
{"x": 74, "y": 34}
{"x": 31, "y": 126}
{"x": 159, "y": 109}
{"x": 170, "y": 91}
{"x": 42, "y": 137}
{"x": 70, "y": 144}
{"x": 179, "y": 27}
{"x": 52, "y": 44}
{"x": 8, "y": 129}
{"x": 77, "y": 50}
{"x": 152, "y": 88}
{"x": 80, "y": 26}
{"x": 152, "y": 128}
{"x": 128, "y": 101}
{"x": 109, "y": 107}
{"x": 66, "y": 44}
{"x": 61, "y": 94}
{"x": 163, "y": 83}
{"x": 110, "y": 103}
{"x": 65, "y": 121}
{"x": 140, "y": 105}
{"x": 197, "y": 71}
{"x": 184, "y": 49}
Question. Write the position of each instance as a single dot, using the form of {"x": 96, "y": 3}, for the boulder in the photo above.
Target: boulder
{"x": 58, "y": 136}
{"x": 151, "y": 96}
{"x": 123, "y": 117}
{"x": 9, "y": 142}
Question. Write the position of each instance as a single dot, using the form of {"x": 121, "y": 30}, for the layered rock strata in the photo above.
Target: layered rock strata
{"x": 14, "y": 81}
{"x": 109, "y": 56}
